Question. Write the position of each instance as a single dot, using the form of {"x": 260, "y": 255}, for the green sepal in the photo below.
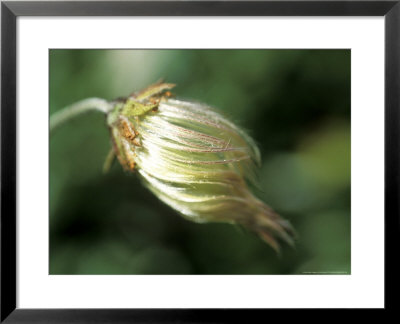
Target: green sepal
{"x": 134, "y": 108}
{"x": 108, "y": 162}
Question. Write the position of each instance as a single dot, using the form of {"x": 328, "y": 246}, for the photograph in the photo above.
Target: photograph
{"x": 199, "y": 161}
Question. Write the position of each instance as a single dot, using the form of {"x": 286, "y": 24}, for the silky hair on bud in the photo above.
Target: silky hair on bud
{"x": 195, "y": 160}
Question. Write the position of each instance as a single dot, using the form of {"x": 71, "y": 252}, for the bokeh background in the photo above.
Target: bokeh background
{"x": 296, "y": 105}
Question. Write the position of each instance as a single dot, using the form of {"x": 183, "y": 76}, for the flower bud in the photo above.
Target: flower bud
{"x": 194, "y": 159}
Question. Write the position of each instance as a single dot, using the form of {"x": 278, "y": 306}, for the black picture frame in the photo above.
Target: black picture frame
{"x": 9, "y": 13}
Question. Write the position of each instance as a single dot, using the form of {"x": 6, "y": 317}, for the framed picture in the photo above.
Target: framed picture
{"x": 197, "y": 161}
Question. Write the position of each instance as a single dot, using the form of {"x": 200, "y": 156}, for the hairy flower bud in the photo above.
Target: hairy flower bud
{"x": 193, "y": 159}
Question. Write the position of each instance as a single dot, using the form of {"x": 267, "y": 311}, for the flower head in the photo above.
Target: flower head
{"x": 194, "y": 159}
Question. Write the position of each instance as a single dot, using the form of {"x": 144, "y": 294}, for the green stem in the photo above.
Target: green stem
{"x": 78, "y": 108}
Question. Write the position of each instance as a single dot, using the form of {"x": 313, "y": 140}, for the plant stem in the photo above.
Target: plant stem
{"x": 77, "y": 109}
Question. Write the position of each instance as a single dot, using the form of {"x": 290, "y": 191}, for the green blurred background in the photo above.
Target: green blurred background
{"x": 296, "y": 105}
